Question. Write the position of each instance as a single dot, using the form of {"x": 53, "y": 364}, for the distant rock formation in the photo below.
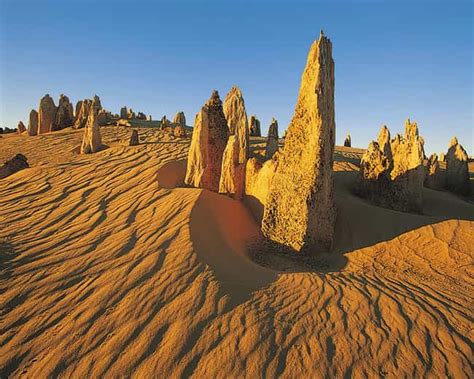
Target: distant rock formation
{"x": 179, "y": 119}
{"x": 347, "y": 141}
{"x": 134, "y": 141}
{"x": 179, "y": 131}
{"x": 300, "y": 211}
{"x": 64, "y": 114}
{"x": 392, "y": 173}
{"x": 33, "y": 123}
{"x": 131, "y": 115}
{"x": 165, "y": 123}
{"x": 46, "y": 115}
{"x": 141, "y": 116}
{"x": 92, "y": 141}
{"x": 77, "y": 109}
{"x": 434, "y": 177}
{"x": 442, "y": 157}
{"x": 272, "y": 140}
{"x": 20, "y": 129}
{"x": 124, "y": 113}
{"x": 208, "y": 142}
{"x": 104, "y": 118}
{"x": 83, "y": 114}
{"x": 254, "y": 126}
{"x": 232, "y": 179}
{"x": 17, "y": 163}
{"x": 457, "y": 171}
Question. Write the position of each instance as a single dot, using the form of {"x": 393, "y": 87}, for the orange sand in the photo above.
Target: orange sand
{"x": 108, "y": 268}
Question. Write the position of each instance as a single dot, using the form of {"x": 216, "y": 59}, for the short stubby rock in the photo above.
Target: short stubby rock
{"x": 17, "y": 163}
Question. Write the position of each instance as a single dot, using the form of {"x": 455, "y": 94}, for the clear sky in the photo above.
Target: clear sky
{"x": 393, "y": 59}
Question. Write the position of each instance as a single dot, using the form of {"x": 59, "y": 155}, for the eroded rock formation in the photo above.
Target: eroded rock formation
{"x": 457, "y": 171}
{"x": 83, "y": 113}
{"x": 46, "y": 115}
{"x": 21, "y": 128}
{"x": 272, "y": 140}
{"x": 254, "y": 126}
{"x": 33, "y": 123}
{"x": 300, "y": 211}
{"x": 179, "y": 119}
{"x": 64, "y": 114}
{"x": 392, "y": 172}
{"x": 17, "y": 163}
{"x": 179, "y": 131}
{"x": 123, "y": 113}
{"x": 134, "y": 141}
{"x": 208, "y": 142}
{"x": 434, "y": 177}
{"x": 347, "y": 140}
{"x": 92, "y": 141}
{"x": 237, "y": 150}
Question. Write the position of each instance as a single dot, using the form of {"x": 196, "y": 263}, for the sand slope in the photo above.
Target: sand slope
{"x": 109, "y": 268}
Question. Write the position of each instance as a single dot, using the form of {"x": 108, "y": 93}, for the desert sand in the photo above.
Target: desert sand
{"x": 110, "y": 267}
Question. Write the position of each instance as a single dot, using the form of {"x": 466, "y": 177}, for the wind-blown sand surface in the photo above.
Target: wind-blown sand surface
{"x": 108, "y": 267}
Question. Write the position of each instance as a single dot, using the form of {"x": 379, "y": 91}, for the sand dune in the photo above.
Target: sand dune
{"x": 109, "y": 267}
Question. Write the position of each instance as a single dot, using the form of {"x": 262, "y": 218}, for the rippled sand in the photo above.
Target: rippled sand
{"x": 108, "y": 267}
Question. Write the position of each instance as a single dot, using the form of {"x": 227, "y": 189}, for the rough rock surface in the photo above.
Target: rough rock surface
{"x": 300, "y": 210}
{"x": 392, "y": 172}
{"x": 254, "y": 126}
{"x": 165, "y": 123}
{"x": 347, "y": 140}
{"x": 442, "y": 157}
{"x": 434, "y": 177}
{"x": 77, "y": 110}
{"x": 33, "y": 123}
{"x": 83, "y": 114}
{"x": 64, "y": 114}
{"x": 232, "y": 180}
{"x": 208, "y": 142}
{"x": 134, "y": 141}
{"x": 236, "y": 116}
{"x": 179, "y": 131}
{"x": 124, "y": 113}
{"x": 17, "y": 163}
{"x": 179, "y": 119}
{"x": 21, "y": 128}
{"x": 457, "y": 172}
{"x": 46, "y": 115}
{"x": 272, "y": 140}
{"x": 92, "y": 141}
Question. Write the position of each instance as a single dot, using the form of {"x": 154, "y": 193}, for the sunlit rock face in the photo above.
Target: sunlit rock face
{"x": 179, "y": 131}
{"x": 33, "y": 123}
{"x": 392, "y": 172}
{"x": 64, "y": 114}
{"x": 46, "y": 115}
{"x": 300, "y": 210}
{"x": 457, "y": 171}
{"x": 232, "y": 180}
{"x": 254, "y": 126}
{"x": 272, "y": 140}
{"x": 21, "y": 128}
{"x": 180, "y": 119}
{"x": 208, "y": 142}
{"x": 92, "y": 140}
{"x": 82, "y": 114}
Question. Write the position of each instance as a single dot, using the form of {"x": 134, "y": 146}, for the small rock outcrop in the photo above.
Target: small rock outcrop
{"x": 83, "y": 114}
{"x": 141, "y": 116}
{"x": 392, "y": 172}
{"x": 179, "y": 119}
{"x": 236, "y": 153}
{"x": 124, "y": 113}
{"x": 254, "y": 126}
{"x": 208, "y": 142}
{"x": 92, "y": 140}
{"x": 272, "y": 140}
{"x": 17, "y": 163}
{"x": 179, "y": 131}
{"x": 434, "y": 177}
{"x": 64, "y": 114}
{"x": 300, "y": 211}
{"x": 457, "y": 171}
{"x": 21, "y": 128}
{"x": 165, "y": 124}
{"x": 104, "y": 117}
{"x": 347, "y": 140}
{"x": 134, "y": 141}
{"x": 46, "y": 115}
{"x": 33, "y": 123}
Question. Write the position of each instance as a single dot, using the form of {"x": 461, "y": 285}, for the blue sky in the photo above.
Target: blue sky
{"x": 393, "y": 59}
